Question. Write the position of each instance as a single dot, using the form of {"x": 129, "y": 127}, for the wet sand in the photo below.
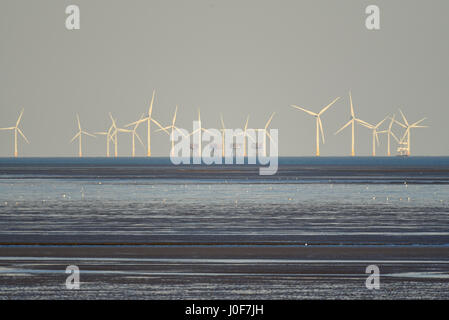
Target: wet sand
{"x": 228, "y": 272}
{"x": 327, "y": 169}
{"x": 139, "y": 231}
{"x": 232, "y": 252}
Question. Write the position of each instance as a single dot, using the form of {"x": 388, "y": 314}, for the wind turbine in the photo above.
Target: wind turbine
{"x": 199, "y": 130}
{"x": 390, "y": 133}
{"x": 375, "y": 133}
{"x": 108, "y": 135}
{"x": 134, "y": 135}
{"x": 223, "y": 128}
{"x": 17, "y": 130}
{"x": 266, "y": 134}
{"x": 147, "y": 119}
{"x": 79, "y": 135}
{"x": 114, "y": 135}
{"x": 351, "y": 122}
{"x": 173, "y": 128}
{"x": 319, "y": 124}
{"x": 405, "y": 140}
{"x": 244, "y": 134}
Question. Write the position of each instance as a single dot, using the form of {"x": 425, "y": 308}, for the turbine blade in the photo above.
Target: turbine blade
{"x": 79, "y": 123}
{"x": 403, "y": 117}
{"x": 250, "y": 138}
{"x": 10, "y": 128}
{"x": 364, "y": 123}
{"x": 269, "y": 120}
{"x": 380, "y": 123}
{"x": 113, "y": 121}
{"x": 404, "y": 135}
{"x": 394, "y": 136}
{"x": 246, "y": 124}
{"x": 305, "y": 110}
{"x": 157, "y": 123}
{"x": 176, "y": 128}
{"x": 88, "y": 134}
{"x": 76, "y": 136}
{"x": 138, "y": 138}
{"x": 20, "y": 117}
{"x": 342, "y": 128}
{"x": 352, "y": 107}
{"x": 164, "y": 129}
{"x": 194, "y": 131}
{"x": 174, "y": 117}
{"x": 269, "y": 136}
{"x": 328, "y": 106}
{"x": 23, "y": 136}
{"x": 222, "y": 122}
{"x": 136, "y": 122}
{"x": 400, "y": 123}
{"x": 206, "y": 130}
{"x": 418, "y": 122}
{"x": 150, "y": 110}
{"x": 391, "y": 123}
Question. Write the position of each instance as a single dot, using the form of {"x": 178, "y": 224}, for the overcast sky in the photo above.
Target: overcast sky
{"x": 237, "y": 57}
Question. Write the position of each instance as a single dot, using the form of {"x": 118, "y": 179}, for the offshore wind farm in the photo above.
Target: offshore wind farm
{"x": 403, "y": 144}
{"x": 162, "y": 223}
{"x": 224, "y": 150}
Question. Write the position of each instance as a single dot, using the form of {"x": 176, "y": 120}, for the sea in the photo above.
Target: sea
{"x": 311, "y": 201}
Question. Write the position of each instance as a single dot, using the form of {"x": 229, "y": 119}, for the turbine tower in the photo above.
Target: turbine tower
{"x": 223, "y": 128}
{"x": 266, "y": 134}
{"x": 79, "y": 135}
{"x": 149, "y": 118}
{"x": 245, "y": 135}
{"x": 375, "y": 133}
{"x": 390, "y": 133}
{"x": 134, "y": 135}
{"x": 108, "y": 135}
{"x": 352, "y": 122}
{"x": 405, "y": 140}
{"x": 199, "y": 130}
{"x": 114, "y": 135}
{"x": 173, "y": 128}
{"x": 319, "y": 124}
{"x": 17, "y": 130}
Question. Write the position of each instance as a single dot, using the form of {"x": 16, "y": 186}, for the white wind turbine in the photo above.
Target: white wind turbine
{"x": 79, "y": 135}
{"x": 108, "y": 135}
{"x": 319, "y": 124}
{"x": 405, "y": 140}
{"x": 351, "y": 122}
{"x": 375, "y": 133}
{"x": 245, "y": 135}
{"x": 390, "y": 133}
{"x": 114, "y": 135}
{"x": 136, "y": 135}
{"x": 266, "y": 134}
{"x": 149, "y": 118}
{"x": 173, "y": 129}
{"x": 223, "y": 128}
{"x": 199, "y": 130}
{"x": 17, "y": 130}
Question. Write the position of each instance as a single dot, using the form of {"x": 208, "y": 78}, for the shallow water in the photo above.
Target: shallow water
{"x": 158, "y": 210}
{"x": 337, "y": 202}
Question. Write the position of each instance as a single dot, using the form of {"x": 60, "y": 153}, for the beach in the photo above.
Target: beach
{"x": 149, "y": 230}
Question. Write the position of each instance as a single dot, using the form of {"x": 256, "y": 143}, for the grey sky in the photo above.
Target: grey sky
{"x": 235, "y": 57}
